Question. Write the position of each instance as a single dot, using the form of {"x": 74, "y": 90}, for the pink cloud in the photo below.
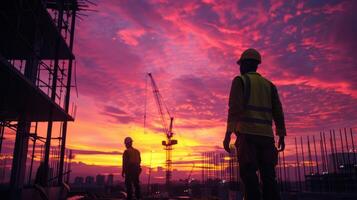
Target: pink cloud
{"x": 131, "y": 36}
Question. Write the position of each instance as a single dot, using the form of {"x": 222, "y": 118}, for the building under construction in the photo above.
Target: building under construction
{"x": 36, "y": 73}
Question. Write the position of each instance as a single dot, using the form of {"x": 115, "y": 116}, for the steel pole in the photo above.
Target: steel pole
{"x": 67, "y": 99}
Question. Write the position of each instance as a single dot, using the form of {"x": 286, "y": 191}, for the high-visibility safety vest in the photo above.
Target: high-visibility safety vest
{"x": 257, "y": 116}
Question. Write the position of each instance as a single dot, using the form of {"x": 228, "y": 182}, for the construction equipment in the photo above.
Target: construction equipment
{"x": 167, "y": 129}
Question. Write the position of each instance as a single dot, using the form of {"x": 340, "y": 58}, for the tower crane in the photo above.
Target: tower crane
{"x": 166, "y": 128}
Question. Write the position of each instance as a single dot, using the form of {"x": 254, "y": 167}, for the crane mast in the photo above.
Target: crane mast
{"x": 167, "y": 129}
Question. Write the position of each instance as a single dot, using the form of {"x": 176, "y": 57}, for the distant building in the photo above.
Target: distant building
{"x": 100, "y": 179}
{"x": 110, "y": 180}
{"x": 89, "y": 180}
{"x": 78, "y": 180}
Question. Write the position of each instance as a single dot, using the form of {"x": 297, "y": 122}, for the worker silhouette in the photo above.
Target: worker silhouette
{"x": 131, "y": 169}
{"x": 253, "y": 105}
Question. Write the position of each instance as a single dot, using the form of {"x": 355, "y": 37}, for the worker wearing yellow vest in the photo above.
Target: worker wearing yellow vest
{"x": 131, "y": 169}
{"x": 253, "y": 105}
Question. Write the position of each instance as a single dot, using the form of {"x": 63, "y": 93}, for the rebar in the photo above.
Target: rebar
{"x": 298, "y": 164}
{"x": 316, "y": 158}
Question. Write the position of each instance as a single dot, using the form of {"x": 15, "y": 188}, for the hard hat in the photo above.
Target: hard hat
{"x": 251, "y": 54}
{"x": 128, "y": 140}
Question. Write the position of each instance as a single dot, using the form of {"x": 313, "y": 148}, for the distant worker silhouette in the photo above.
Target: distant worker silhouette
{"x": 253, "y": 104}
{"x": 131, "y": 169}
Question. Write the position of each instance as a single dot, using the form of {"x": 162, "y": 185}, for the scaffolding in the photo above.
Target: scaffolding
{"x": 36, "y": 65}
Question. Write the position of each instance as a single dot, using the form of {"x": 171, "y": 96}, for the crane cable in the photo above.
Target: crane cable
{"x": 145, "y": 107}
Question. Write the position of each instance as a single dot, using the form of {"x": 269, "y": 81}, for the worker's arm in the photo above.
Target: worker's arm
{"x": 278, "y": 116}
{"x": 139, "y": 162}
{"x": 124, "y": 163}
{"x": 235, "y": 108}
{"x": 235, "y": 104}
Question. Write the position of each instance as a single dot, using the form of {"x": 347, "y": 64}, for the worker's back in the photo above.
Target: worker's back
{"x": 257, "y": 117}
{"x": 132, "y": 157}
{"x": 260, "y": 90}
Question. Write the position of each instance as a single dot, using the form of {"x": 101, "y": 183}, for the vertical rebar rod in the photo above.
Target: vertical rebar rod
{"x": 309, "y": 156}
{"x": 206, "y": 171}
{"x": 206, "y": 167}
{"x": 303, "y": 156}
{"x": 224, "y": 167}
{"x": 285, "y": 173}
{"x": 334, "y": 142}
{"x": 316, "y": 156}
{"x": 214, "y": 165}
{"x": 295, "y": 168}
{"x": 326, "y": 153}
{"x": 322, "y": 154}
{"x": 342, "y": 149}
{"x": 298, "y": 165}
{"x": 343, "y": 166}
{"x": 217, "y": 166}
{"x": 202, "y": 172}
{"x": 303, "y": 161}
{"x": 210, "y": 165}
{"x": 221, "y": 165}
{"x": 349, "y": 162}
{"x": 324, "y": 163}
{"x": 206, "y": 164}
{"x": 353, "y": 148}
{"x": 328, "y": 161}
{"x": 317, "y": 174}
{"x": 203, "y": 168}
{"x": 333, "y": 154}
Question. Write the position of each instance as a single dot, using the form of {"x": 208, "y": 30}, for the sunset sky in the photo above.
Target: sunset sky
{"x": 308, "y": 50}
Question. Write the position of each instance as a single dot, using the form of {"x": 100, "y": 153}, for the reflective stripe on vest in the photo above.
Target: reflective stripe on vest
{"x": 257, "y": 115}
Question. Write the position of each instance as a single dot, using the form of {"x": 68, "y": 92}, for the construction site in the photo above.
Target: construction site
{"x": 37, "y": 80}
